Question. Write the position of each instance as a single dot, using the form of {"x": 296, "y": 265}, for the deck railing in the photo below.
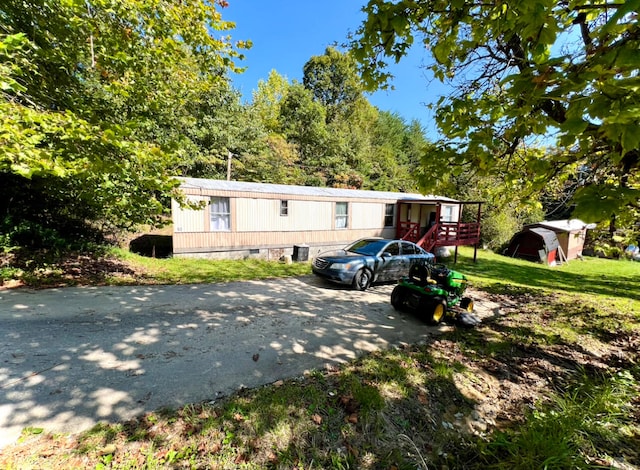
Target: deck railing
{"x": 409, "y": 231}
{"x": 441, "y": 234}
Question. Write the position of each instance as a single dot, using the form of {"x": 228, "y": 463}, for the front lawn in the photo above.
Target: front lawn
{"x": 550, "y": 380}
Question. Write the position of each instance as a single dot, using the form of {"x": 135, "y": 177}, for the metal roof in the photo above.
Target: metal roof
{"x": 561, "y": 225}
{"x": 336, "y": 193}
{"x": 548, "y": 236}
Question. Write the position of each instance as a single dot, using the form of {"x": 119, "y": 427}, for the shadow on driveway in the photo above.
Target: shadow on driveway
{"x": 72, "y": 357}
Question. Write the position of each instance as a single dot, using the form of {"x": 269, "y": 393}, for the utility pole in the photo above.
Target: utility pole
{"x": 229, "y": 156}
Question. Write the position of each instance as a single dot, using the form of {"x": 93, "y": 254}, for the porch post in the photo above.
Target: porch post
{"x": 475, "y": 246}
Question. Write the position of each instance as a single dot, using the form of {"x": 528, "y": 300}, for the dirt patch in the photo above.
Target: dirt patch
{"x": 73, "y": 269}
{"x": 511, "y": 381}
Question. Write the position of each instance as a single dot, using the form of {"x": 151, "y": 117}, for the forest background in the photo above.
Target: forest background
{"x": 105, "y": 102}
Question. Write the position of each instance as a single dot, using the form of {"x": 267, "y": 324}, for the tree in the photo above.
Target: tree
{"x": 92, "y": 95}
{"x": 302, "y": 122}
{"x": 217, "y": 124}
{"x": 559, "y": 73}
{"x": 333, "y": 80}
{"x": 267, "y": 98}
{"x": 391, "y": 167}
{"x": 278, "y": 162}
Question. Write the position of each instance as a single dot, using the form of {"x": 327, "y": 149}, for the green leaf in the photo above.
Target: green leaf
{"x": 441, "y": 52}
{"x": 399, "y": 24}
{"x": 630, "y": 138}
{"x": 574, "y": 126}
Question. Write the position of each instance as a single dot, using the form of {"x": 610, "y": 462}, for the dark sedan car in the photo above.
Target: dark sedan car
{"x": 370, "y": 260}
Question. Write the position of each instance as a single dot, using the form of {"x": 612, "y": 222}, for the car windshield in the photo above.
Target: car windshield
{"x": 367, "y": 247}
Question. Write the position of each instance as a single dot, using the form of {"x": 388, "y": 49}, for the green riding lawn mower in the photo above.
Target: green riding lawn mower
{"x": 436, "y": 293}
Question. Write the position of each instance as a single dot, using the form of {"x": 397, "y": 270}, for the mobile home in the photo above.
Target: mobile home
{"x": 239, "y": 219}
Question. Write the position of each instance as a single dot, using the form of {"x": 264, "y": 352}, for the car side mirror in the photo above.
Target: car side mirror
{"x": 386, "y": 253}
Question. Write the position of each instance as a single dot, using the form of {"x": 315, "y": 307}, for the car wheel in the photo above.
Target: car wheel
{"x": 398, "y": 297}
{"x": 437, "y": 311}
{"x": 362, "y": 279}
{"x": 466, "y": 304}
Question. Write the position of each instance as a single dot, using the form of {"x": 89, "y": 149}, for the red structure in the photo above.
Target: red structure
{"x": 436, "y": 232}
{"x": 549, "y": 242}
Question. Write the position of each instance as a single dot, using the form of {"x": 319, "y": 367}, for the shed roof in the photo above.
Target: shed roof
{"x": 268, "y": 188}
{"x": 548, "y": 236}
{"x": 561, "y": 225}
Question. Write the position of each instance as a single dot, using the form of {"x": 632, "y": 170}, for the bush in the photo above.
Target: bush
{"x": 498, "y": 228}
{"x": 33, "y": 235}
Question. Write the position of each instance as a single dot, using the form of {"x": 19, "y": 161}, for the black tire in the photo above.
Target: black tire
{"x": 436, "y": 310}
{"x": 362, "y": 279}
{"x": 398, "y": 296}
{"x": 466, "y": 304}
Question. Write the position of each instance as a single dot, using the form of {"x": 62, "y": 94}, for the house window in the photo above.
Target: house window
{"x": 284, "y": 208}
{"x": 447, "y": 213}
{"x": 342, "y": 214}
{"x": 389, "y": 210}
{"x": 220, "y": 214}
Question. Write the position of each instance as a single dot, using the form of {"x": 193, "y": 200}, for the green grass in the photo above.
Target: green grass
{"x": 585, "y": 418}
{"x": 554, "y": 377}
{"x": 192, "y": 271}
{"x": 114, "y": 266}
{"x": 617, "y": 280}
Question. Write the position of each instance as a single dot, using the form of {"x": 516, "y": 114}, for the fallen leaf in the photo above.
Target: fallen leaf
{"x": 352, "y": 450}
{"x": 241, "y": 458}
{"x": 316, "y": 418}
{"x": 215, "y": 448}
{"x": 108, "y": 449}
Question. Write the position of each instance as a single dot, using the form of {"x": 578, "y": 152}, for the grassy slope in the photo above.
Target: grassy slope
{"x": 552, "y": 380}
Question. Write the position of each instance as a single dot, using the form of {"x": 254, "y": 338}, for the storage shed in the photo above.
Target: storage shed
{"x": 549, "y": 241}
{"x": 571, "y": 235}
{"x": 534, "y": 244}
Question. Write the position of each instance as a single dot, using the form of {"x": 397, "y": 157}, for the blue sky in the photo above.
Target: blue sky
{"x": 287, "y": 33}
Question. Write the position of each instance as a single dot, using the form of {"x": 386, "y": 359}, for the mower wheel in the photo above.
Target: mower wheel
{"x": 362, "y": 279}
{"x": 466, "y": 304}
{"x": 436, "y": 310}
{"x": 398, "y": 297}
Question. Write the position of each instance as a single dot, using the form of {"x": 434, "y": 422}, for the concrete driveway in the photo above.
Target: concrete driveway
{"x": 72, "y": 357}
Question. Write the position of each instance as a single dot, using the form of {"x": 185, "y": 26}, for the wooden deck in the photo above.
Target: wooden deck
{"x": 441, "y": 234}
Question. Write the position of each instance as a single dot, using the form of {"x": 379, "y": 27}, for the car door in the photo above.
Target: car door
{"x": 411, "y": 255}
{"x": 390, "y": 264}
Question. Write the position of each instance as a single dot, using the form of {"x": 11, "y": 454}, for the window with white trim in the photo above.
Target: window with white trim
{"x": 342, "y": 214}
{"x": 447, "y": 213}
{"x": 284, "y": 208}
{"x": 389, "y": 212}
{"x": 220, "y": 214}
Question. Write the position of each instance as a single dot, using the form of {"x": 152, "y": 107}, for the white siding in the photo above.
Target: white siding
{"x": 366, "y": 215}
{"x": 189, "y": 220}
{"x": 263, "y": 215}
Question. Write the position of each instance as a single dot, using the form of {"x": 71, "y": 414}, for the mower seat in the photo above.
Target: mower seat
{"x": 420, "y": 275}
